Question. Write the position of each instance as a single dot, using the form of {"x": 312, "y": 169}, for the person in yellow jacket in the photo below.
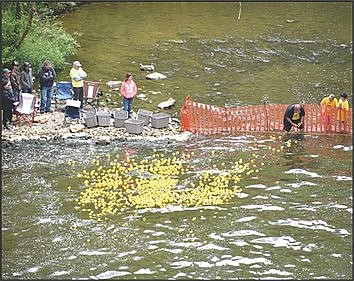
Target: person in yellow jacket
{"x": 78, "y": 75}
{"x": 328, "y": 106}
{"x": 342, "y": 110}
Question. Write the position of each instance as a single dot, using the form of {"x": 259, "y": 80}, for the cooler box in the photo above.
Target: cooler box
{"x": 119, "y": 117}
{"x": 72, "y": 109}
{"x": 160, "y": 120}
{"x": 90, "y": 119}
{"x": 144, "y": 115}
{"x": 103, "y": 118}
{"x": 134, "y": 126}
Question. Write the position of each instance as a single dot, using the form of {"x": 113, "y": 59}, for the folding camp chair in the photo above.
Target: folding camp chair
{"x": 25, "y": 109}
{"x": 91, "y": 94}
{"x": 63, "y": 92}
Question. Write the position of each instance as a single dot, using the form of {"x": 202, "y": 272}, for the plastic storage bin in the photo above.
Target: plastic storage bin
{"x": 134, "y": 126}
{"x": 90, "y": 119}
{"x": 103, "y": 118}
{"x": 119, "y": 117}
{"x": 144, "y": 115}
{"x": 160, "y": 120}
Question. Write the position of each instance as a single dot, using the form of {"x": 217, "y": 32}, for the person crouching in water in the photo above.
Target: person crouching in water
{"x": 294, "y": 116}
{"x": 128, "y": 90}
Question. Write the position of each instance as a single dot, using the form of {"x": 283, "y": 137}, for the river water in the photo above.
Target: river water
{"x": 291, "y": 220}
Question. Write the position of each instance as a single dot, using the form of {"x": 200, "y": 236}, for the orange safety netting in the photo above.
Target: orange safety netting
{"x": 209, "y": 119}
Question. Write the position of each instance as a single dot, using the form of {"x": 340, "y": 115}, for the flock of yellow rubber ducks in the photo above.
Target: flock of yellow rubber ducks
{"x": 158, "y": 181}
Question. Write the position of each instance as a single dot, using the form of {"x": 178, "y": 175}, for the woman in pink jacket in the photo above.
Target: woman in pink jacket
{"x": 128, "y": 90}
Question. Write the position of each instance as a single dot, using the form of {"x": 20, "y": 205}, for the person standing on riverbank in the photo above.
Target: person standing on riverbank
{"x": 78, "y": 75}
{"x": 128, "y": 90}
{"x": 328, "y": 105}
{"x": 26, "y": 78}
{"x": 15, "y": 78}
{"x": 47, "y": 76}
{"x": 7, "y": 101}
{"x": 294, "y": 116}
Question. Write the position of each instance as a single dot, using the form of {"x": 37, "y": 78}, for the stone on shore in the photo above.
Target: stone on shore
{"x": 41, "y": 119}
{"x": 56, "y": 128}
{"x": 75, "y": 128}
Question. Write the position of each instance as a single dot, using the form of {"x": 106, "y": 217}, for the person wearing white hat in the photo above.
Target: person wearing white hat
{"x": 328, "y": 105}
{"x": 78, "y": 75}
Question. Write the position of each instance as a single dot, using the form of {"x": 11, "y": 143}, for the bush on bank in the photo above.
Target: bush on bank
{"x": 30, "y": 32}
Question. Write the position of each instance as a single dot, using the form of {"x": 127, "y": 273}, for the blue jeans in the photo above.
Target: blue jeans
{"x": 16, "y": 94}
{"x": 46, "y": 99}
{"x": 128, "y": 104}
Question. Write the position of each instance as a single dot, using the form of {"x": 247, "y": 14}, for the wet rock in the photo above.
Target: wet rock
{"x": 113, "y": 84}
{"x": 155, "y": 76}
{"x": 167, "y": 104}
{"x": 104, "y": 140}
{"x": 147, "y": 67}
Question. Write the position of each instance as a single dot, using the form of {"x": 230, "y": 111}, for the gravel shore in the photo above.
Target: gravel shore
{"x": 54, "y": 126}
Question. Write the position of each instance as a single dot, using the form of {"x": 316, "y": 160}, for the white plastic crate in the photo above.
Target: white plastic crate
{"x": 134, "y": 126}
{"x": 119, "y": 117}
{"x": 144, "y": 115}
{"x": 160, "y": 120}
{"x": 103, "y": 118}
{"x": 90, "y": 119}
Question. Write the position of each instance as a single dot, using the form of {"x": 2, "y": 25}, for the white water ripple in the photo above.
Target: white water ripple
{"x": 110, "y": 274}
{"x": 283, "y": 241}
{"x": 304, "y": 172}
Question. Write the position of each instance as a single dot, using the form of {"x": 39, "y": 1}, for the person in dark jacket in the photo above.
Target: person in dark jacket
{"x": 26, "y": 78}
{"x": 15, "y": 78}
{"x": 294, "y": 116}
{"x": 47, "y": 76}
{"x": 7, "y": 101}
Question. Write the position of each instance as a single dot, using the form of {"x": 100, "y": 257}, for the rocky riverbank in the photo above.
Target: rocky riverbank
{"x": 53, "y": 126}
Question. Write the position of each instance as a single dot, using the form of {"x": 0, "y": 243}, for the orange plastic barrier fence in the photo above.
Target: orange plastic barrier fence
{"x": 209, "y": 119}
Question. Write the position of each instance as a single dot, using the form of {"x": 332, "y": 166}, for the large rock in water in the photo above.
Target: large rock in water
{"x": 155, "y": 76}
{"x": 147, "y": 67}
{"x": 167, "y": 104}
{"x": 114, "y": 83}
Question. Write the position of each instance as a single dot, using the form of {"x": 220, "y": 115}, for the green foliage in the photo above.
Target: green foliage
{"x": 46, "y": 39}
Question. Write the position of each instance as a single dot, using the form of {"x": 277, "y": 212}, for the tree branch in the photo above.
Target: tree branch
{"x": 28, "y": 27}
